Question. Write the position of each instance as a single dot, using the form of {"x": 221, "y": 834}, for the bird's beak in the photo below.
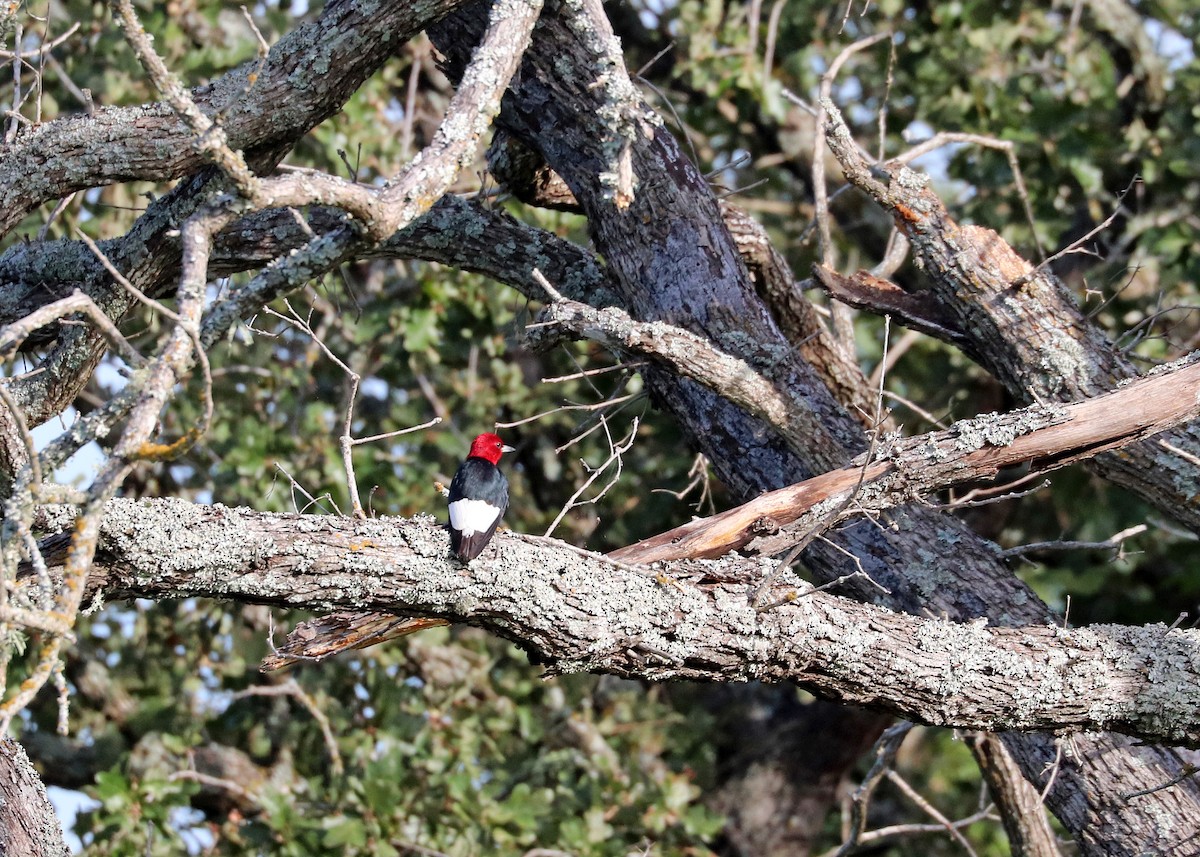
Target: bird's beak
{"x": 507, "y": 448}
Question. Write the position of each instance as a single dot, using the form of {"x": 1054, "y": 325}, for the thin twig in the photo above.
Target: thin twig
{"x": 217, "y": 783}
{"x": 826, "y": 90}
{"x": 902, "y": 831}
{"x": 1182, "y": 453}
{"x": 1115, "y": 542}
{"x": 772, "y": 37}
{"x": 885, "y": 750}
{"x": 930, "y": 810}
{"x": 650, "y": 63}
{"x": 916, "y": 409}
{"x": 944, "y": 138}
{"x": 292, "y": 688}
{"x": 296, "y": 486}
{"x": 1189, "y": 770}
{"x": 1053, "y": 767}
{"x": 699, "y": 476}
{"x": 616, "y": 451}
{"x": 1079, "y": 242}
{"x": 264, "y": 49}
{"x": 390, "y": 434}
{"x": 996, "y": 493}
{"x": 843, "y": 328}
{"x": 889, "y": 79}
{"x": 410, "y": 98}
{"x": 14, "y": 113}
{"x": 59, "y": 208}
{"x": 210, "y": 137}
{"x": 42, "y": 48}
{"x": 596, "y": 406}
{"x": 591, "y": 373}
{"x": 345, "y": 440}
{"x": 190, "y": 329}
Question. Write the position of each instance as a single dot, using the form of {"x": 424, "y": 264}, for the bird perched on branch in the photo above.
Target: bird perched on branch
{"x": 478, "y": 497}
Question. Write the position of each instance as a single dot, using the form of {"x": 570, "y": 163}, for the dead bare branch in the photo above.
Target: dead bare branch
{"x": 1046, "y": 438}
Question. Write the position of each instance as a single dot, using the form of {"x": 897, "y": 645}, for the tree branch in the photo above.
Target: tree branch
{"x": 883, "y": 297}
{"x": 578, "y": 614}
{"x": 672, "y": 262}
{"x": 1021, "y": 809}
{"x": 686, "y": 354}
{"x": 1024, "y": 327}
{"x": 1046, "y": 438}
{"x": 28, "y": 825}
{"x": 343, "y": 47}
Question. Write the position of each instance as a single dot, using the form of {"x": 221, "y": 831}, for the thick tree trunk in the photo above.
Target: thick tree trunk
{"x": 784, "y": 766}
{"x": 660, "y": 232}
{"x": 28, "y": 825}
{"x": 673, "y": 260}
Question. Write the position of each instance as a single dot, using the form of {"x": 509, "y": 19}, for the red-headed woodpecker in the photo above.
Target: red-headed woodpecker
{"x": 478, "y": 497}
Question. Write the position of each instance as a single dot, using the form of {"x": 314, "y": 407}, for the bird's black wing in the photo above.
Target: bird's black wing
{"x": 477, "y": 479}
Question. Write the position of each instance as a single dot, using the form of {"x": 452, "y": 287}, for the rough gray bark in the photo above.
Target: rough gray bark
{"x": 75, "y": 152}
{"x": 1024, "y": 326}
{"x": 1021, "y": 810}
{"x": 28, "y": 825}
{"x": 673, "y": 262}
{"x": 581, "y": 613}
{"x": 688, "y": 274}
{"x": 344, "y": 46}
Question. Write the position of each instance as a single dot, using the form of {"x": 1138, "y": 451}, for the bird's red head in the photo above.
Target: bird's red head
{"x": 489, "y": 447}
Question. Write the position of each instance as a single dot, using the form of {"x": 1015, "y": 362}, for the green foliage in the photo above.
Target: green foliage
{"x": 138, "y": 817}
{"x": 452, "y": 741}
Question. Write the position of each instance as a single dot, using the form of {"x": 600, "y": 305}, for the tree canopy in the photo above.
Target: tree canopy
{"x": 845, "y": 352}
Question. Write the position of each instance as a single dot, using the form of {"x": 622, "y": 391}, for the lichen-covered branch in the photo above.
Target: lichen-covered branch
{"x": 208, "y": 137}
{"x": 747, "y": 384}
{"x": 307, "y": 77}
{"x": 691, "y": 619}
{"x": 141, "y": 402}
{"x": 672, "y": 260}
{"x": 264, "y": 108}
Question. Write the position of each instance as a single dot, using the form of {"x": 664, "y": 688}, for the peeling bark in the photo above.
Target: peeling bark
{"x": 672, "y": 261}
{"x": 979, "y": 448}
{"x": 1024, "y": 326}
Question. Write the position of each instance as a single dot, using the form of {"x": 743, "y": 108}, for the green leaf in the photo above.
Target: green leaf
{"x": 111, "y": 785}
{"x": 345, "y": 831}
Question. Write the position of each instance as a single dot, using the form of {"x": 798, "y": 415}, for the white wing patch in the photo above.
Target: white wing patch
{"x": 472, "y": 516}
